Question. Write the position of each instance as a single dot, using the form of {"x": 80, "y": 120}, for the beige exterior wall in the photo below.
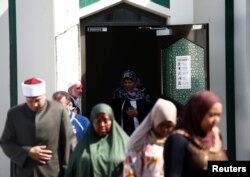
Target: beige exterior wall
{"x": 48, "y": 40}
{"x": 67, "y": 41}
{"x": 242, "y": 79}
{"x": 181, "y": 14}
{"x": 4, "y": 77}
{"x": 35, "y": 42}
{"x": 213, "y": 13}
{"x": 42, "y": 29}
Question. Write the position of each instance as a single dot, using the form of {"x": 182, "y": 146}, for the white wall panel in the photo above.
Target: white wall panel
{"x": 4, "y": 78}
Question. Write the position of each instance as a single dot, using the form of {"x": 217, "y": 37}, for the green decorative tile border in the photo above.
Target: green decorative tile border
{"x": 165, "y": 3}
{"x": 84, "y": 3}
{"x": 183, "y": 47}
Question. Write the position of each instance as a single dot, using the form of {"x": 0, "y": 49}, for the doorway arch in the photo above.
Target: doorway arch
{"x": 114, "y": 40}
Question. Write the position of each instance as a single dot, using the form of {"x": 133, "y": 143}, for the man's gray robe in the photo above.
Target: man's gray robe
{"x": 49, "y": 126}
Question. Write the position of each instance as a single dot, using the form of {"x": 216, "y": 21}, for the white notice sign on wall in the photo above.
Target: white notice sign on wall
{"x": 183, "y": 72}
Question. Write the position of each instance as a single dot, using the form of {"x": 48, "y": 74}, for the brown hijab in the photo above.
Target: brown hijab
{"x": 194, "y": 111}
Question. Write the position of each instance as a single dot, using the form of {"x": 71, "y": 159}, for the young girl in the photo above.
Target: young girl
{"x": 145, "y": 147}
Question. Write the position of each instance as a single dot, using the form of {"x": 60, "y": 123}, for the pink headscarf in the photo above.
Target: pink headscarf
{"x": 162, "y": 110}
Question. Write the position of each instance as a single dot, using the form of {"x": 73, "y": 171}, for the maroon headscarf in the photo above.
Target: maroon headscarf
{"x": 194, "y": 112}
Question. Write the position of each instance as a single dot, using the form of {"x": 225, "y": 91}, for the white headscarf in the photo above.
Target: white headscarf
{"x": 162, "y": 110}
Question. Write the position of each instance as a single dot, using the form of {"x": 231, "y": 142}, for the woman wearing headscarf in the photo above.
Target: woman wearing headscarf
{"x": 130, "y": 102}
{"x": 102, "y": 150}
{"x": 145, "y": 147}
{"x": 196, "y": 139}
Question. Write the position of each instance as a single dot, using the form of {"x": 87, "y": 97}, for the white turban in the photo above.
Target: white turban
{"x": 33, "y": 87}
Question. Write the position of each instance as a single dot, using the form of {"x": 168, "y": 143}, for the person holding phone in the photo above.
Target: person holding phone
{"x": 130, "y": 102}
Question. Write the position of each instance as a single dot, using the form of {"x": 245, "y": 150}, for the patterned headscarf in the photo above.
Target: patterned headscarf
{"x": 137, "y": 93}
{"x": 129, "y": 74}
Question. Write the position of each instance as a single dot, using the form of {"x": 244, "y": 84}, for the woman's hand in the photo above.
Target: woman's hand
{"x": 132, "y": 112}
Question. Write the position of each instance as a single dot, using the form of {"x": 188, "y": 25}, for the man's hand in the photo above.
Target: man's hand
{"x": 40, "y": 154}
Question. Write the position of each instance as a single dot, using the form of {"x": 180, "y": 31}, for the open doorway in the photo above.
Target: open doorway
{"x": 125, "y": 37}
{"x": 110, "y": 51}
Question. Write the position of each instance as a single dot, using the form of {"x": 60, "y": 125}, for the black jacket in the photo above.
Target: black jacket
{"x": 121, "y": 105}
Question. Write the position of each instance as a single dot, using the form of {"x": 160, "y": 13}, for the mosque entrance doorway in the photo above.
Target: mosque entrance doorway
{"x": 171, "y": 61}
{"x": 110, "y": 51}
{"x": 124, "y": 37}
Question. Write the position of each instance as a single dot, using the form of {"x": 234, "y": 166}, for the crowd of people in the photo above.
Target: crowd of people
{"x": 129, "y": 137}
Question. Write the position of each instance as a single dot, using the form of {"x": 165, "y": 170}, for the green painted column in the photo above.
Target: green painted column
{"x": 12, "y": 59}
{"x": 13, "y": 52}
{"x": 230, "y": 90}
